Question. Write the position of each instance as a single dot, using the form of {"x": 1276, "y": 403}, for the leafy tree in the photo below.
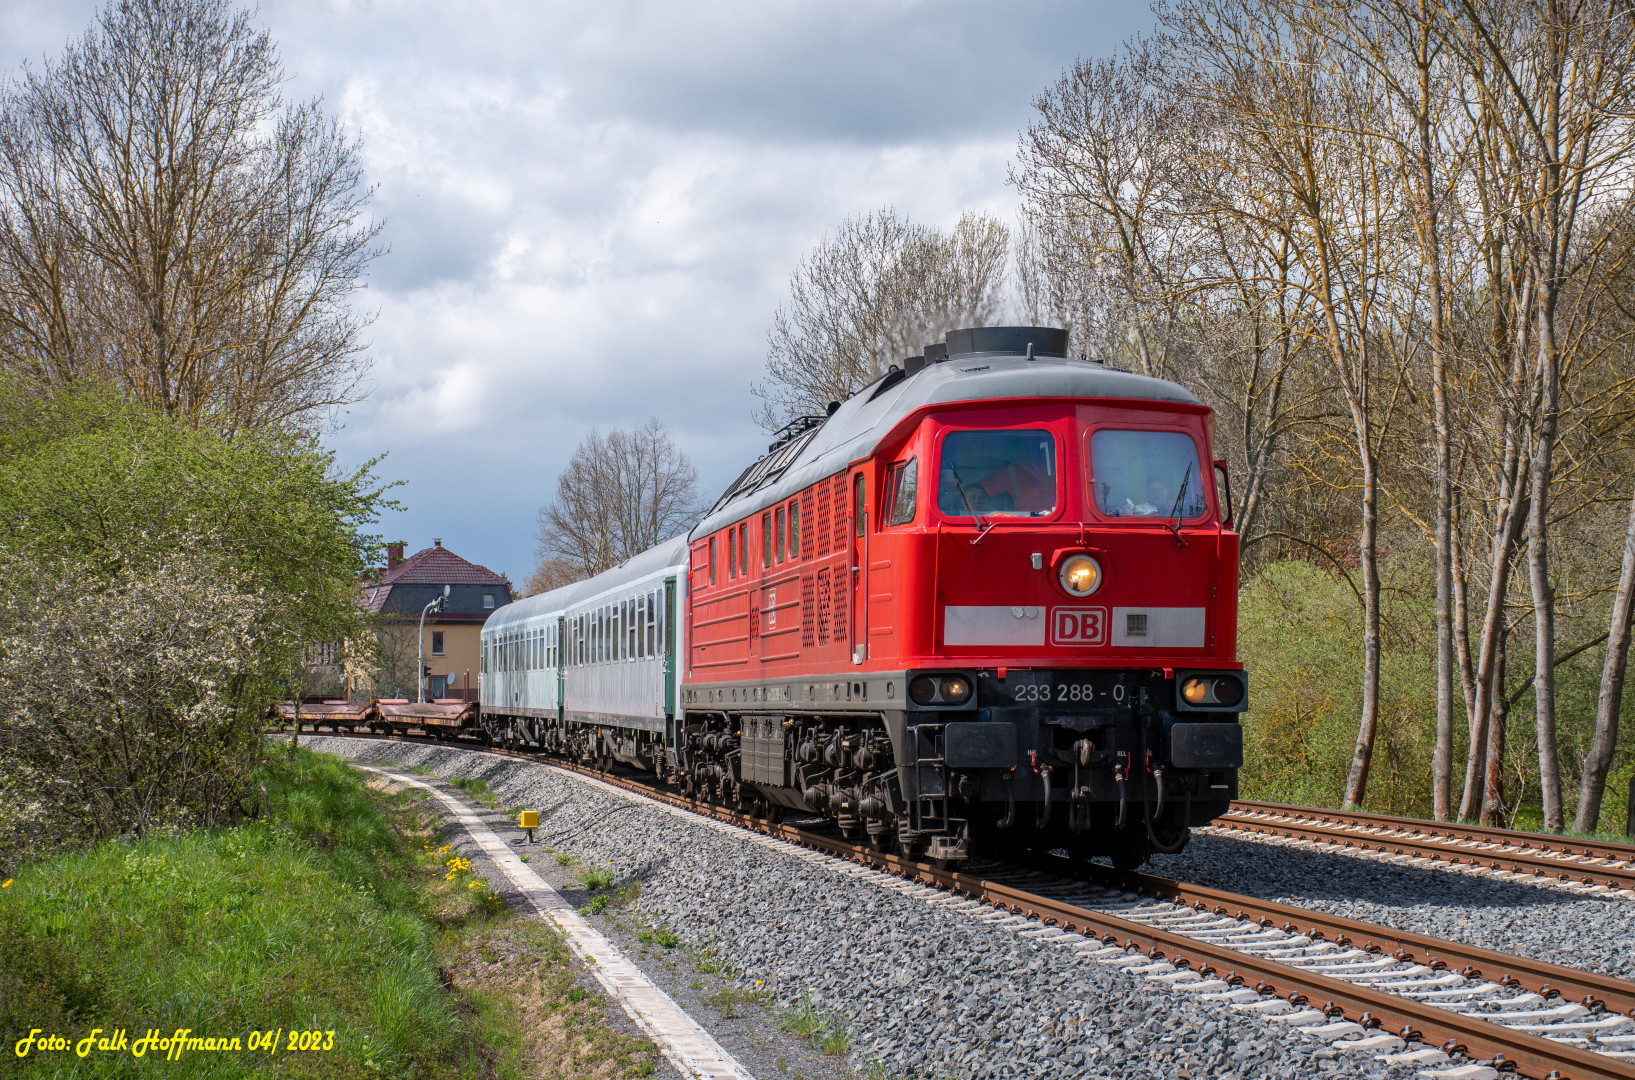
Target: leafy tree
{"x": 161, "y": 581}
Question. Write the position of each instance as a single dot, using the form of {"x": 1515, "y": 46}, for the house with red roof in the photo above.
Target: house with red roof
{"x": 401, "y": 589}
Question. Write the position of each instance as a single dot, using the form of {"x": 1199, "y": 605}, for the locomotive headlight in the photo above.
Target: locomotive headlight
{"x": 1212, "y": 690}
{"x": 1080, "y": 575}
{"x": 940, "y": 690}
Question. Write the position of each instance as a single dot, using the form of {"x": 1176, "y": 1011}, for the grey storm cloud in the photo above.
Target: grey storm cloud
{"x": 593, "y": 208}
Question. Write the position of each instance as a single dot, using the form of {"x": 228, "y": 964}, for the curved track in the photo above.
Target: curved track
{"x": 1592, "y": 863}
{"x": 1384, "y": 990}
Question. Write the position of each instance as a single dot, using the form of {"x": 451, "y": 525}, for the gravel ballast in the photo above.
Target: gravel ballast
{"x": 926, "y": 989}
{"x": 1536, "y": 919}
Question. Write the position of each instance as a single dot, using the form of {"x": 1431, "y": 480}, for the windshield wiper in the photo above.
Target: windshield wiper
{"x": 969, "y": 509}
{"x": 1175, "y": 511}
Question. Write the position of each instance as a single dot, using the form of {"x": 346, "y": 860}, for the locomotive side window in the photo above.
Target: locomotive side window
{"x": 857, "y": 504}
{"x": 743, "y": 548}
{"x": 1146, "y": 474}
{"x": 904, "y": 490}
{"x": 997, "y": 472}
{"x": 732, "y": 553}
{"x": 712, "y": 560}
{"x": 766, "y": 540}
{"x": 783, "y": 532}
{"x": 794, "y": 528}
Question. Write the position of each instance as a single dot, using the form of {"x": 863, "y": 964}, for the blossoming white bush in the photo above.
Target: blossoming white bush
{"x": 126, "y": 696}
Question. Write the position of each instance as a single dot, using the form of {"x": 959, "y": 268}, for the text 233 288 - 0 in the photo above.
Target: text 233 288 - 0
{"x": 1067, "y": 689}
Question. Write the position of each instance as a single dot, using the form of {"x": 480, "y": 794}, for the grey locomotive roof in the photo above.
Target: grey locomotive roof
{"x": 860, "y": 423}
{"x": 671, "y": 552}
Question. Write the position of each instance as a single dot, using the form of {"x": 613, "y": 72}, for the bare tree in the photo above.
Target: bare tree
{"x": 168, "y": 222}
{"x": 552, "y": 573}
{"x": 620, "y": 494}
{"x": 872, "y": 294}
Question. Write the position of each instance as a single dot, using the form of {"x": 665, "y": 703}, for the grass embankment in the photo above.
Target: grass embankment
{"x": 338, "y": 912}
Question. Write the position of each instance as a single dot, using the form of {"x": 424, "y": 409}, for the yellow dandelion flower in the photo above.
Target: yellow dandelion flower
{"x": 7, "y": 885}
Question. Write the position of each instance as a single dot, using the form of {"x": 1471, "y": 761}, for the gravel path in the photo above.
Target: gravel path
{"x": 1548, "y": 922}
{"x": 925, "y": 989}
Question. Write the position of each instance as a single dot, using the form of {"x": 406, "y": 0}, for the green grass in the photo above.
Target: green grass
{"x": 597, "y": 878}
{"x": 733, "y": 1001}
{"x": 805, "y": 1022}
{"x": 338, "y": 911}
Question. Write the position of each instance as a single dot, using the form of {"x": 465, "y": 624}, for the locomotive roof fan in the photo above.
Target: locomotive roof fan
{"x": 1006, "y": 341}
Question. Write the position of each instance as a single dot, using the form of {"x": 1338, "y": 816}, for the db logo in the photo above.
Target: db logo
{"x": 1078, "y": 626}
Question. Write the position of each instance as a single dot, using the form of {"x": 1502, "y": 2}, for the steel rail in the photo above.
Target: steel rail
{"x": 1514, "y": 861}
{"x": 1531, "y": 1055}
{"x": 1538, "y": 976}
{"x": 1502, "y": 1047}
{"x": 1455, "y": 832}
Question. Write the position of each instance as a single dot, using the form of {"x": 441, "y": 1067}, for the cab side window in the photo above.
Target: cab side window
{"x": 904, "y": 490}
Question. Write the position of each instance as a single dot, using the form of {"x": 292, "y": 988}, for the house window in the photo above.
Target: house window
{"x": 488, "y": 600}
{"x": 437, "y": 643}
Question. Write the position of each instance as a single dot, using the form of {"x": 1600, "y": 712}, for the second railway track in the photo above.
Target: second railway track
{"x": 1567, "y": 860}
{"x": 1358, "y": 986}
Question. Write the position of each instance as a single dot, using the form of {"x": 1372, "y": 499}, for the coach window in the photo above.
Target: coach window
{"x": 794, "y": 528}
{"x": 904, "y": 490}
{"x": 857, "y": 504}
{"x": 743, "y": 548}
{"x": 712, "y": 560}
{"x": 766, "y": 540}
{"x": 632, "y": 630}
{"x": 732, "y": 553}
{"x": 783, "y": 531}
{"x": 1002, "y": 473}
{"x": 1147, "y": 474}
{"x": 652, "y": 626}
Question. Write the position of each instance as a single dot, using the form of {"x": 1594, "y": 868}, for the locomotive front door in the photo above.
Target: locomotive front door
{"x": 860, "y": 568}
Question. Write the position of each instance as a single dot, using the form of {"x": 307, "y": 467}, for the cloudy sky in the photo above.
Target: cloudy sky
{"x": 593, "y": 208}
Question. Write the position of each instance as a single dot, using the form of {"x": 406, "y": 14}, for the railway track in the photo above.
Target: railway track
{"x": 1591, "y": 864}
{"x": 1360, "y": 987}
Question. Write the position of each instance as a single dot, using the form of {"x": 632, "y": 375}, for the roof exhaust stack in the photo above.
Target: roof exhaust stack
{"x": 1029, "y": 341}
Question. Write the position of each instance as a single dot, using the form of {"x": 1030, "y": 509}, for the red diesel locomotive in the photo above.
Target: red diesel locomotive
{"x": 992, "y": 598}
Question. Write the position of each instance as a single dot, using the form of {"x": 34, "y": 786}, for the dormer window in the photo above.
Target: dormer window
{"x": 488, "y": 601}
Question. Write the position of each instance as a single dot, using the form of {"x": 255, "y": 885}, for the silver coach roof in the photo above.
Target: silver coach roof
{"x": 671, "y": 552}
{"x": 861, "y": 422}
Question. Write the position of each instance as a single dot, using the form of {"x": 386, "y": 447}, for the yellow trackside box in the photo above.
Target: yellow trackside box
{"x": 529, "y": 820}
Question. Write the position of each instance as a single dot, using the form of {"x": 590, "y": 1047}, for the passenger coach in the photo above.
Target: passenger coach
{"x": 993, "y": 594}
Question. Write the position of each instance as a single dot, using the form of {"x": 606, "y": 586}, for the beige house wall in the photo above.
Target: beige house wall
{"x": 462, "y": 644}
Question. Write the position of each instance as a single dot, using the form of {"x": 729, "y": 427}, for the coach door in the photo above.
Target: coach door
{"x": 670, "y": 646}
{"x": 561, "y": 668}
